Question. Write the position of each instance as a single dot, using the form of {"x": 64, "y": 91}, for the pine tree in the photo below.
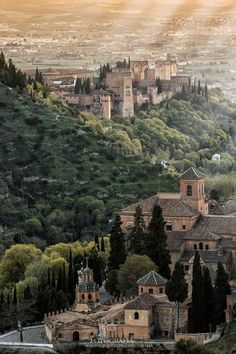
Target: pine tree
{"x": 209, "y": 298}
{"x": 137, "y": 233}
{"x": 102, "y": 245}
{"x": 222, "y": 289}
{"x": 198, "y": 311}
{"x": 155, "y": 245}
{"x": 117, "y": 242}
{"x": 177, "y": 288}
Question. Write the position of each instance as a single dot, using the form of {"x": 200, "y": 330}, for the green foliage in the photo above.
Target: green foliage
{"x": 197, "y": 320}
{"x": 137, "y": 234}
{"x": 117, "y": 243}
{"x": 191, "y": 347}
{"x": 155, "y": 244}
{"x": 222, "y": 289}
{"x": 134, "y": 268}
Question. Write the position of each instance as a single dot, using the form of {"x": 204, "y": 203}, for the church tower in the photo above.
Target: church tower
{"x": 87, "y": 291}
{"x": 192, "y": 190}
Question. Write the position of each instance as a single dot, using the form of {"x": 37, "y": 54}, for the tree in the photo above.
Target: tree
{"x": 206, "y": 92}
{"x": 156, "y": 242}
{"x": 222, "y": 289}
{"x": 199, "y": 88}
{"x": 209, "y": 298}
{"x": 96, "y": 265}
{"x": 15, "y": 261}
{"x": 197, "y": 314}
{"x": 134, "y": 268}
{"x": 177, "y": 288}
{"x": 3, "y": 67}
{"x": 70, "y": 283}
{"x": 102, "y": 245}
{"x": 117, "y": 242}
{"x": 137, "y": 233}
{"x": 96, "y": 240}
{"x": 11, "y": 74}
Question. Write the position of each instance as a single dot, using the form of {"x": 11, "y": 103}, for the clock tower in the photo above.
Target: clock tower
{"x": 87, "y": 291}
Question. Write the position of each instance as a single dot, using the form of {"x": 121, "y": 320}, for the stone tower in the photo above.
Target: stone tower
{"x": 87, "y": 291}
{"x": 192, "y": 190}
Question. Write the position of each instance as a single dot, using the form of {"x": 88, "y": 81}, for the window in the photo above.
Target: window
{"x": 82, "y": 296}
{"x": 150, "y": 291}
{"x": 89, "y": 296}
{"x": 136, "y": 316}
{"x": 161, "y": 291}
{"x": 189, "y": 190}
{"x": 206, "y": 247}
{"x": 195, "y": 246}
{"x": 184, "y": 227}
{"x": 141, "y": 290}
{"x": 186, "y": 267}
{"x": 201, "y": 246}
{"x": 168, "y": 226}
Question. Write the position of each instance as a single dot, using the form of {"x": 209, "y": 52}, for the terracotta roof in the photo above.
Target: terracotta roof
{"x": 219, "y": 224}
{"x": 152, "y": 278}
{"x": 142, "y": 302}
{"x": 207, "y": 256}
{"x": 192, "y": 174}
{"x": 201, "y": 233}
{"x": 170, "y": 207}
{"x": 175, "y": 240}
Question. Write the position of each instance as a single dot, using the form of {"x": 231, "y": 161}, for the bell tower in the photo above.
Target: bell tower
{"x": 192, "y": 190}
{"x": 87, "y": 291}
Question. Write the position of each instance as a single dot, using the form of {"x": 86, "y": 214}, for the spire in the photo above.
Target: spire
{"x": 87, "y": 258}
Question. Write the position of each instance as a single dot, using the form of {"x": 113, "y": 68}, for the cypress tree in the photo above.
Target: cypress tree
{"x": 59, "y": 280}
{"x": 137, "y": 233}
{"x": 49, "y": 278}
{"x": 199, "y": 89}
{"x": 102, "y": 245}
{"x": 70, "y": 283}
{"x": 206, "y": 92}
{"x": 222, "y": 289}
{"x": 53, "y": 280}
{"x": 35, "y": 87}
{"x": 95, "y": 265}
{"x": 3, "y": 67}
{"x": 198, "y": 311}
{"x": 117, "y": 242}
{"x": 64, "y": 287}
{"x": 209, "y": 298}
{"x": 156, "y": 242}
{"x": 177, "y": 288}
{"x": 96, "y": 240}
{"x": 14, "y": 299}
{"x": 11, "y": 74}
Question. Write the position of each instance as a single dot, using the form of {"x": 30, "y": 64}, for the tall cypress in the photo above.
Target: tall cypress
{"x": 103, "y": 245}
{"x": 209, "y": 298}
{"x": 222, "y": 289}
{"x": 177, "y": 288}
{"x": 96, "y": 240}
{"x": 64, "y": 283}
{"x": 53, "y": 280}
{"x": 137, "y": 234}
{"x": 70, "y": 283}
{"x": 3, "y": 67}
{"x": 96, "y": 265}
{"x": 14, "y": 299}
{"x": 156, "y": 242}
{"x": 197, "y": 314}
{"x": 117, "y": 242}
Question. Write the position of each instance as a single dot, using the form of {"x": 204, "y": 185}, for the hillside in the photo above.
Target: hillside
{"x": 64, "y": 173}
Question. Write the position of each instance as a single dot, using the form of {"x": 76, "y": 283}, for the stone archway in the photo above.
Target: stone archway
{"x": 76, "y": 336}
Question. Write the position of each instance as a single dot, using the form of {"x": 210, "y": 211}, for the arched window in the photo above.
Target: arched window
{"x": 89, "y": 296}
{"x": 150, "y": 291}
{"x": 201, "y": 246}
{"x": 189, "y": 190}
{"x": 141, "y": 290}
{"x": 82, "y": 296}
{"x": 136, "y": 316}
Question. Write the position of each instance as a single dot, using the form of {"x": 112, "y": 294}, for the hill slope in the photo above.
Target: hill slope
{"x": 63, "y": 174}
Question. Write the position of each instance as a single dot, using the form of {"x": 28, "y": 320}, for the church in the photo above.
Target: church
{"x": 148, "y": 315}
{"x": 193, "y": 222}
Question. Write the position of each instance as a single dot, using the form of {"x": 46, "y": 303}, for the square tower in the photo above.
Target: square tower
{"x": 192, "y": 190}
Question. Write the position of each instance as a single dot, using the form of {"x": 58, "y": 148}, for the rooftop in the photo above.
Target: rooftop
{"x": 192, "y": 174}
{"x": 142, "y": 302}
{"x": 152, "y": 278}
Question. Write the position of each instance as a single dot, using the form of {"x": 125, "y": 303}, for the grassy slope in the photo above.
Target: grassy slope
{"x": 227, "y": 344}
{"x": 48, "y": 153}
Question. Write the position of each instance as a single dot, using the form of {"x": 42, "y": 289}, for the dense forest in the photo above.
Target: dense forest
{"x": 65, "y": 173}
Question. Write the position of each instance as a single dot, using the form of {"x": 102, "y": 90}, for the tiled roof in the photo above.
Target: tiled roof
{"x": 175, "y": 240}
{"x": 170, "y": 207}
{"x": 219, "y": 224}
{"x": 207, "y": 256}
{"x": 192, "y": 174}
{"x": 142, "y": 302}
{"x": 152, "y": 278}
{"x": 201, "y": 233}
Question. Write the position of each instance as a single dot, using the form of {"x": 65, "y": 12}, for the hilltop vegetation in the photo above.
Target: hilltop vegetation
{"x": 64, "y": 173}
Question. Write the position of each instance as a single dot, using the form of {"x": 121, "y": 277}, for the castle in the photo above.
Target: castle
{"x": 137, "y": 83}
{"x": 193, "y": 223}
